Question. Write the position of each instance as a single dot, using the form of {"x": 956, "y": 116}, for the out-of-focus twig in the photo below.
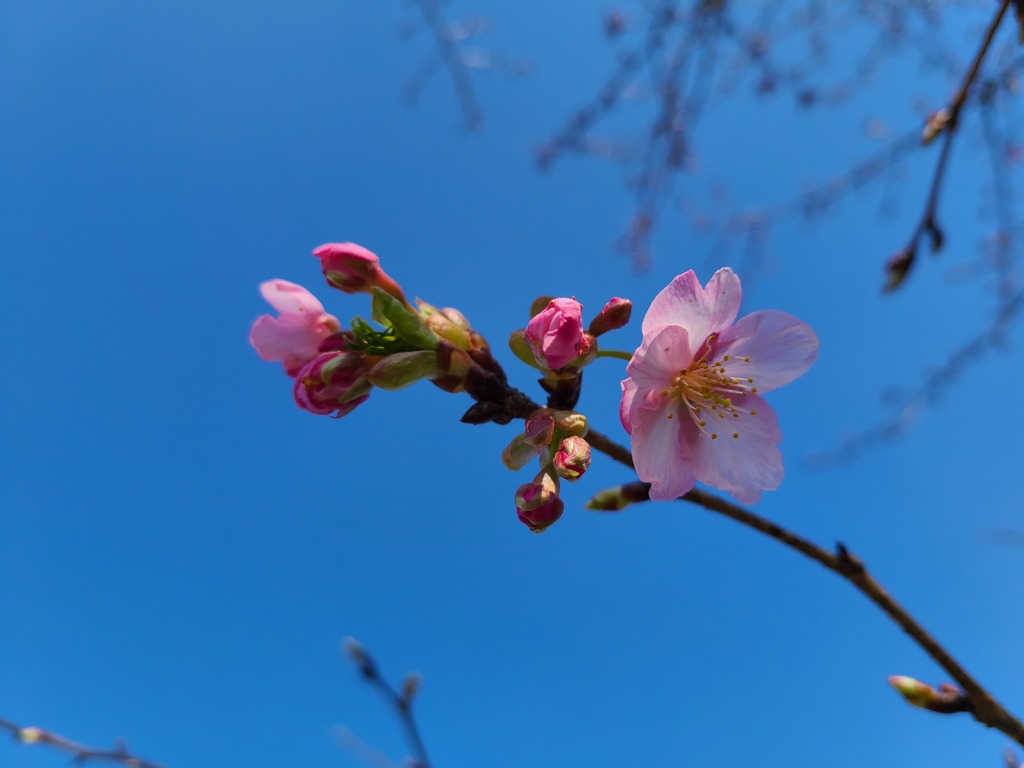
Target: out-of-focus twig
{"x": 401, "y": 700}
{"x": 452, "y": 59}
{"x": 79, "y": 752}
{"x": 945, "y": 122}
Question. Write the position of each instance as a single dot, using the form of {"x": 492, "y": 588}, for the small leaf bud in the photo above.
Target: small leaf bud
{"x": 31, "y": 735}
{"x": 612, "y": 316}
{"x": 937, "y": 123}
{"x": 897, "y": 268}
{"x": 946, "y": 700}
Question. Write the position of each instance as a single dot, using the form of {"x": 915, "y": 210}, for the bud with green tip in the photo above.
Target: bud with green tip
{"x": 618, "y": 498}
{"x": 570, "y": 422}
{"x": 402, "y": 369}
{"x": 946, "y": 700}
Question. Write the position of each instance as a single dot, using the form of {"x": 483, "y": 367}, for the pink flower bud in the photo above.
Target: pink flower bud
{"x": 613, "y": 315}
{"x": 353, "y": 269}
{"x": 572, "y": 458}
{"x": 332, "y": 383}
{"x": 555, "y": 335}
{"x": 537, "y": 503}
{"x": 294, "y": 336}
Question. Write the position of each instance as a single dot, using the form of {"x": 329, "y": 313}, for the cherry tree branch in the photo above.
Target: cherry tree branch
{"x": 79, "y": 752}
{"x": 983, "y": 706}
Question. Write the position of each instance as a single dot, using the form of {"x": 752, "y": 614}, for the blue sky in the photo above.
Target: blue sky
{"x": 184, "y": 549}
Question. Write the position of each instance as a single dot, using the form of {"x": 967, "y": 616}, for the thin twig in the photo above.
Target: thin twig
{"x": 402, "y": 702}
{"x": 984, "y": 707}
{"x": 79, "y": 752}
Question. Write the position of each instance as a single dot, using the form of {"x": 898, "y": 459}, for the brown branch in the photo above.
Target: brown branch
{"x": 984, "y": 707}
{"x": 79, "y": 752}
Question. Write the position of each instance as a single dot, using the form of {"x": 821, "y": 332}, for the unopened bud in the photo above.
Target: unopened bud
{"x": 359, "y": 655}
{"x": 402, "y": 369}
{"x": 31, "y": 735}
{"x": 570, "y": 423}
{"x": 937, "y": 123}
{"x": 537, "y": 503}
{"x": 555, "y": 334}
{"x": 897, "y": 268}
{"x": 354, "y": 649}
{"x": 946, "y": 700}
{"x": 617, "y": 498}
{"x": 456, "y": 317}
{"x": 411, "y": 685}
{"x": 572, "y": 458}
{"x": 354, "y": 269}
{"x": 613, "y": 315}
{"x": 449, "y": 324}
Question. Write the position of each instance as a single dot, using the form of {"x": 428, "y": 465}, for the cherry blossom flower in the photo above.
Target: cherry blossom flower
{"x": 692, "y": 402}
{"x": 555, "y": 335}
{"x": 294, "y": 337}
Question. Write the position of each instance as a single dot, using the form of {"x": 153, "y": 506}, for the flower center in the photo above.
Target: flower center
{"x": 712, "y": 390}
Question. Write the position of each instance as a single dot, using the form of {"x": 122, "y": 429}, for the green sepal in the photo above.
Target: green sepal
{"x": 369, "y": 341}
{"x": 517, "y": 343}
{"x": 387, "y": 310}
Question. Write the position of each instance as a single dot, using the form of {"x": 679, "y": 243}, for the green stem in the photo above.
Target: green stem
{"x": 627, "y": 356}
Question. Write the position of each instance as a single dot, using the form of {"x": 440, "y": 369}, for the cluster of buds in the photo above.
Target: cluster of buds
{"x": 335, "y": 369}
{"x": 556, "y": 343}
{"x": 556, "y": 437}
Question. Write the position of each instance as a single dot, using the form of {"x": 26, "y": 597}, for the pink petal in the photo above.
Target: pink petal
{"x": 661, "y": 356}
{"x": 289, "y": 298}
{"x": 743, "y": 466}
{"x": 629, "y": 390}
{"x": 661, "y": 453}
{"x": 275, "y": 338}
{"x": 701, "y": 311}
{"x": 779, "y": 346}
